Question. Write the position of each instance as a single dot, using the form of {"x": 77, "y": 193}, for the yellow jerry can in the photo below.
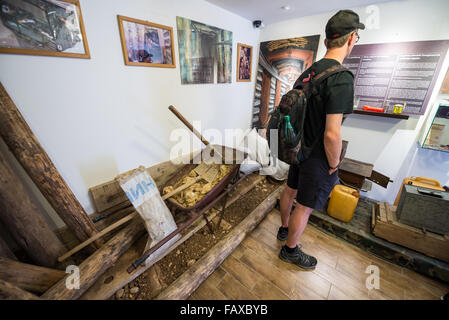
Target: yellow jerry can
{"x": 342, "y": 203}
{"x": 419, "y": 182}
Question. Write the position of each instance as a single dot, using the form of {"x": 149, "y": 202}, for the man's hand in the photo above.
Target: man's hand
{"x": 332, "y": 140}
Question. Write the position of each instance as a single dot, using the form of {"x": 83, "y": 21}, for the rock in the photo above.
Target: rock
{"x": 134, "y": 290}
{"x": 191, "y": 262}
{"x": 178, "y": 252}
{"x": 119, "y": 293}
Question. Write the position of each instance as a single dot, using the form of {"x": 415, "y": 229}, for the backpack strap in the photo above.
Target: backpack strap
{"x": 318, "y": 79}
{"x": 315, "y": 81}
{"x": 312, "y": 87}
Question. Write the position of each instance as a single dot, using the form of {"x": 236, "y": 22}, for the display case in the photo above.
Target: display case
{"x": 437, "y": 137}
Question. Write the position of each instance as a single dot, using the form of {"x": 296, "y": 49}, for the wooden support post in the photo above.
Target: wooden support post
{"x": 26, "y": 148}
{"x": 29, "y": 277}
{"x": 190, "y": 280}
{"x": 94, "y": 266}
{"x": 24, "y": 221}
{"x": 9, "y": 291}
{"x": 5, "y": 252}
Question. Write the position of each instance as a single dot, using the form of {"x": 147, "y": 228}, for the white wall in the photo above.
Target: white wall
{"x": 97, "y": 118}
{"x": 389, "y": 144}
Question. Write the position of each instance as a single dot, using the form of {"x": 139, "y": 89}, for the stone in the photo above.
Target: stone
{"x": 119, "y": 293}
{"x": 191, "y": 262}
{"x": 134, "y": 290}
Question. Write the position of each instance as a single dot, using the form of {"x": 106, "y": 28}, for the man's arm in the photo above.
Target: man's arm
{"x": 332, "y": 139}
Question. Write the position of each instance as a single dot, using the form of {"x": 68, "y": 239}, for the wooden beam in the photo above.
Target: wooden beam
{"x": 94, "y": 266}
{"x": 104, "y": 288}
{"x": 5, "y": 252}
{"x": 24, "y": 221}
{"x": 9, "y": 291}
{"x": 190, "y": 280}
{"x": 26, "y": 148}
{"x": 29, "y": 277}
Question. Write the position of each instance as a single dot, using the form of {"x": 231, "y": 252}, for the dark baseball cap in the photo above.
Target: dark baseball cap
{"x": 342, "y": 23}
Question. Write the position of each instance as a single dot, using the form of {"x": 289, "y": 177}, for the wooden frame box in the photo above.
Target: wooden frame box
{"x": 146, "y": 44}
{"x": 244, "y": 62}
{"x": 43, "y": 27}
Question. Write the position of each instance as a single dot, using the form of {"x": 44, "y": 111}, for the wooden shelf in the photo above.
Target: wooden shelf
{"x": 382, "y": 114}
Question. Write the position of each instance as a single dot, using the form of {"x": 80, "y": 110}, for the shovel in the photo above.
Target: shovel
{"x": 204, "y": 173}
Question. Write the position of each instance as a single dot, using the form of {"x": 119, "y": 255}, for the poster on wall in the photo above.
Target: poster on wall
{"x": 146, "y": 44}
{"x": 244, "y": 62}
{"x": 402, "y": 73}
{"x": 281, "y": 62}
{"x": 43, "y": 27}
{"x": 205, "y": 52}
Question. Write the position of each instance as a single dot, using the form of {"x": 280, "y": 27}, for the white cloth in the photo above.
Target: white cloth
{"x": 259, "y": 157}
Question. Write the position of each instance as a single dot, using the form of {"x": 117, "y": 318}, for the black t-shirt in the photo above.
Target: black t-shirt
{"x": 337, "y": 94}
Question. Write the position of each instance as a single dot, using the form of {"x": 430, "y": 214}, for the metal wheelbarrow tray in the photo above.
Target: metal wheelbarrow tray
{"x": 216, "y": 190}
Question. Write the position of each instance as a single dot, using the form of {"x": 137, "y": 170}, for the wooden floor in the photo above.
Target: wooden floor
{"x": 254, "y": 271}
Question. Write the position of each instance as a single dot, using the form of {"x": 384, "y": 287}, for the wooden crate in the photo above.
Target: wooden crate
{"x": 386, "y": 226}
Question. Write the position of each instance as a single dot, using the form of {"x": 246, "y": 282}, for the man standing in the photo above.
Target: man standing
{"x": 317, "y": 175}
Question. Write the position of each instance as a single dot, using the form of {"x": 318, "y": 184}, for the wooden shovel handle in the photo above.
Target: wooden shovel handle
{"x": 188, "y": 124}
{"x": 97, "y": 236}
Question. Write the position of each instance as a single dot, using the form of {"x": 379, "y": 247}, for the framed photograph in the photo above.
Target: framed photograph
{"x": 43, "y": 27}
{"x": 205, "y": 52}
{"x": 146, "y": 44}
{"x": 244, "y": 59}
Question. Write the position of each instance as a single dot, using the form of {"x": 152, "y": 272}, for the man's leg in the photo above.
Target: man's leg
{"x": 297, "y": 224}
{"x": 286, "y": 203}
{"x": 290, "y": 252}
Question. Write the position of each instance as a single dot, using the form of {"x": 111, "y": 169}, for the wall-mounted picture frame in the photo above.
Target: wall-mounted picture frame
{"x": 43, "y": 27}
{"x": 146, "y": 44}
{"x": 244, "y": 62}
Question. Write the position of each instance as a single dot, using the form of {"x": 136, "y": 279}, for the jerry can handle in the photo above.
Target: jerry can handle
{"x": 427, "y": 180}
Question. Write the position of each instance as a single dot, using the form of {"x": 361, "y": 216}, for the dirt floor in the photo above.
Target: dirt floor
{"x": 183, "y": 257}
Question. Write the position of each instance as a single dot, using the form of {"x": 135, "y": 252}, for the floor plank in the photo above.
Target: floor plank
{"x": 235, "y": 290}
{"x": 254, "y": 271}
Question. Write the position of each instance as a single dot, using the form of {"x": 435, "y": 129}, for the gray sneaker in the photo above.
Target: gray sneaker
{"x": 298, "y": 257}
{"x": 282, "y": 233}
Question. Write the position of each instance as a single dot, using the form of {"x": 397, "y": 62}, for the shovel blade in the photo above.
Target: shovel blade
{"x": 210, "y": 175}
{"x": 201, "y": 168}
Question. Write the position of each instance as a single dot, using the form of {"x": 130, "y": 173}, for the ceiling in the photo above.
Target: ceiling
{"x": 270, "y": 11}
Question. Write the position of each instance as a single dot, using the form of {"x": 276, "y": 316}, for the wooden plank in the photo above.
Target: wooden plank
{"x": 9, "y": 291}
{"x": 183, "y": 287}
{"x": 356, "y": 167}
{"x": 382, "y": 211}
{"x": 373, "y": 216}
{"x": 431, "y": 244}
{"x": 103, "y": 288}
{"x": 379, "y": 178}
{"x": 26, "y": 148}
{"x": 94, "y": 266}
{"x": 29, "y": 277}
{"x": 110, "y": 194}
{"x": 23, "y": 220}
